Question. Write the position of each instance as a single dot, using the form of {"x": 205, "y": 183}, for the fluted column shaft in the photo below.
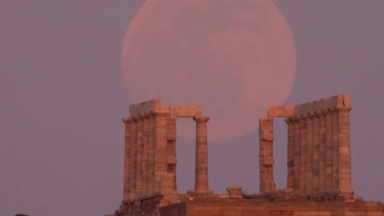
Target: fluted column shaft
{"x": 296, "y": 154}
{"x": 160, "y": 150}
{"x": 335, "y": 149}
{"x": 322, "y": 152}
{"x": 145, "y": 155}
{"x": 139, "y": 157}
{"x": 127, "y": 122}
{"x": 201, "y": 181}
{"x": 345, "y": 185}
{"x": 315, "y": 156}
{"x": 302, "y": 180}
{"x": 171, "y": 155}
{"x": 308, "y": 155}
{"x": 290, "y": 149}
{"x": 151, "y": 152}
{"x": 328, "y": 151}
{"x": 132, "y": 159}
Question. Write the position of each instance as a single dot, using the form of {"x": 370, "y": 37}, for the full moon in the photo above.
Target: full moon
{"x": 235, "y": 58}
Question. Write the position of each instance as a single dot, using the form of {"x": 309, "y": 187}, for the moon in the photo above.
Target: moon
{"x": 234, "y": 58}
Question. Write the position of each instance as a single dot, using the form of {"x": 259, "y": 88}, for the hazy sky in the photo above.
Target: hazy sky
{"x": 62, "y": 97}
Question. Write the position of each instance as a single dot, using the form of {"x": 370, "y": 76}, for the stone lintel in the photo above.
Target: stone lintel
{"x": 281, "y": 111}
{"x": 155, "y": 105}
{"x": 334, "y": 102}
{"x": 185, "y": 111}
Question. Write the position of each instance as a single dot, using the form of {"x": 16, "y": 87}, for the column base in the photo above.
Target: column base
{"x": 346, "y": 190}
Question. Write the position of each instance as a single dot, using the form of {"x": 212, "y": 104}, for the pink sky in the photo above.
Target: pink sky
{"x": 62, "y": 97}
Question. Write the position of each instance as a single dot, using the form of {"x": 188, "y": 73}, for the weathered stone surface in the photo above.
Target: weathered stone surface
{"x": 302, "y": 161}
{"x": 132, "y": 159}
{"x": 328, "y": 150}
{"x": 171, "y": 160}
{"x": 267, "y": 136}
{"x": 201, "y": 176}
{"x": 266, "y": 152}
{"x": 145, "y": 107}
{"x": 318, "y": 146}
{"x": 318, "y": 165}
{"x": 185, "y": 111}
{"x": 127, "y": 152}
{"x": 296, "y": 154}
{"x": 290, "y": 153}
{"x": 267, "y": 161}
{"x": 281, "y": 111}
{"x": 337, "y": 101}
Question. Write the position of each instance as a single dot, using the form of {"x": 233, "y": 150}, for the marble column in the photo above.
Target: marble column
{"x": 302, "y": 162}
{"x": 266, "y": 159}
{"x": 145, "y": 155}
{"x": 296, "y": 154}
{"x": 132, "y": 160}
{"x": 290, "y": 149}
{"x": 328, "y": 150}
{"x": 151, "y": 152}
{"x": 171, "y": 154}
{"x": 322, "y": 152}
{"x": 160, "y": 150}
{"x": 308, "y": 155}
{"x": 345, "y": 185}
{"x": 201, "y": 181}
{"x": 335, "y": 149}
{"x": 315, "y": 156}
{"x": 139, "y": 155}
{"x": 127, "y": 156}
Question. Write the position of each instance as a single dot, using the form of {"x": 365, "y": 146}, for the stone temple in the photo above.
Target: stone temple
{"x": 318, "y": 177}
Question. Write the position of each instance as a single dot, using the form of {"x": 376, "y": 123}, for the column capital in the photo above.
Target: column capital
{"x": 308, "y": 115}
{"x": 334, "y": 110}
{"x": 150, "y": 115}
{"x": 344, "y": 109}
{"x": 311, "y": 117}
{"x": 301, "y": 119}
{"x": 128, "y": 119}
{"x": 315, "y": 114}
{"x": 140, "y": 117}
{"x": 320, "y": 113}
{"x": 133, "y": 119}
{"x": 201, "y": 119}
{"x": 160, "y": 113}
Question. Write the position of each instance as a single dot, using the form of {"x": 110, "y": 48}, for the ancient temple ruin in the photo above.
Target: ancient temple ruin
{"x": 319, "y": 159}
{"x": 150, "y": 151}
{"x": 318, "y": 165}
